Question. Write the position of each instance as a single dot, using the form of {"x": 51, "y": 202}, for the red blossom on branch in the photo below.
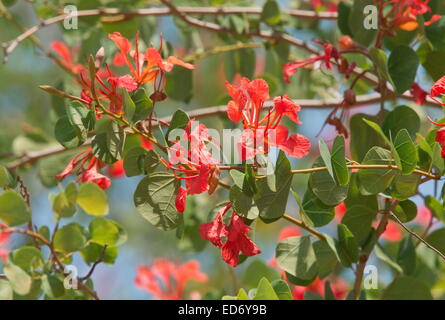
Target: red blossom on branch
{"x": 167, "y": 280}
{"x": 86, "y": 165}
{"x": 247, "y": 104}
{"x": 232, "y": 238}
{"x": 404, "y": 13}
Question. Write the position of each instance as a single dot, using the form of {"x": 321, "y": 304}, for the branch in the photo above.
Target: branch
{"x": 99, "y": 260}
{"x": 9, "y": 48}
{"x": 415, "y": 235}
{"x": 369, "y": 166}
{"x": 303, "y": 225}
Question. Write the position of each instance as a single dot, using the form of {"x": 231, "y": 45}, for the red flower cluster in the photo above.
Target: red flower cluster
{"x": 247, "y": 103}
{"x": 404, "y": 13}
{"x": 143, "y": 68}
{"x": 232, "y": 238}
{"x": 193, "y": 163}
{"x": 4, "y": 239}
{"x": 166, "y": 280}
{"x": 86, "y": 165}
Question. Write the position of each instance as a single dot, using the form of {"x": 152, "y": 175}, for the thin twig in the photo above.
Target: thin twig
{"x": 415, "y": 235}
{"x": 303, "y": 225}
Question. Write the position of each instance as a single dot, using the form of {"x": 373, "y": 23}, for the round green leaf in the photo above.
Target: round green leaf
{"x": 155, "y": 199}
{"x": 13, "y": 209}
{"x": 107, "y": 232}
{"x": 69, "y": 238}
{"x": 92, "y": 199}
{"x": 402, "y": 64}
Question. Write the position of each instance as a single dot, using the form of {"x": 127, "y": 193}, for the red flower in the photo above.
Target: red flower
{"x": 143, "y": 67}
{"x": 288, "y": 232}
{"x": 438, "y": 89}
{"x": 4, "y": 239}
{"x": 86, "y": 165}
{"x": 345, "y": 42}
{"x": 418, "y": 93}
{"x": 145, "y": 143}
{"x": 166, "y": 280}
{"x": 236, "y": 234}
{"x": 440, "y": 135}
{"x": 247, "y": 104}
{"x": 195, "y": 165}
{"x": 330, "y": 52}
{"x": 405, "y": 12}
{"x": 66, "y": 58}
{"x": 340, "y": 211}
{"x": 181, "y": 199}
{"x": 116, "y": 170}
{"x": 392, "y": 232}
{"x": 423, "y": 216}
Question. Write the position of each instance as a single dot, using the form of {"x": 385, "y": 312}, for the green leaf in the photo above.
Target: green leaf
{"x": 13, "y": 209}
{"x": 318, "y": 213}
{"x": 82, "y": 119}
{"x": 434, "y": 64}
{"x": 52, "y": 286}
{"x": 180, "y": 84}
{"x": 358, "y": 219}
{"x": 265, "y": 291}
{"x": 402, "y": 117}
{"x": 383, "y": 256}
{"x": 271, "y": 12}
{"x": 272, "y": 204}
{"x": 296, "y": 256}
{"x": 326, "y": 258}
{"x": 373, "y": 181}
{"x": 437, "y": 239}
{"x": 435, "y": 32}
{"x": 356, "y": 25}
{"x": 242, "y": 203}
{"x": 402, "y": 64}
{"x": 129, "y": 105}
{"x": 363, "y": 137}
{"x": 20, "y": 281}
{"x": 66, "y": 134}
{"x": 326, "y": 156}
{"x": 325, "y": 187}
{"x": 69, "y": 238}
{"x": 6, "y": 179}
{"x": 356, "y": 198}
{"x": 108, "y": 145}
{"x": 379, "y": 130}
{"x": 407, "y": 151}
{"x": 435, "y": 207}
{"x": 92, "y": 199}
{"x": 180, "y": 119}
{"x": 106, "y": 232}
{"x": 6, "y": 292}
{"x": 380, "y": 60}
{"x": 134, "y": 161}
{"x": 348, "y": 245}
{"x": 406, "y": 256}
{"x": 155, "y": 199}
{"x": 344, "y": 10}
{"x": 407, "y": 288}
{"x": 255, "y": 271}
{"x": 339, "y": 161}
{"x": 144, "y": 105}
{"x": 64, "y": 203}
{"x": 94, "y": 251}
{"x": 282, "y": 289}
{"x": 28, "y": 258}
{"x": 405, "y": 210}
